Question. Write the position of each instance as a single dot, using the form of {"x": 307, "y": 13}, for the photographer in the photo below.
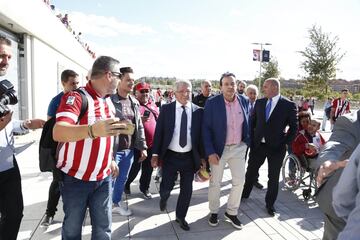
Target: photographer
{"x": 11, "y": 201}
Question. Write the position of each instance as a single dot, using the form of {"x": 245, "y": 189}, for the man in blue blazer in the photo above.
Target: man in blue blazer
{"x": 177, "y": 145}
{"x": 269, "y": 138}
{"x": 225, "y": 138}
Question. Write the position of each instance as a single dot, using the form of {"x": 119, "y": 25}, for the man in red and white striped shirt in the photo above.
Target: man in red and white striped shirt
{"x": 85, "y": 151}
{"x": 340, "y": 106}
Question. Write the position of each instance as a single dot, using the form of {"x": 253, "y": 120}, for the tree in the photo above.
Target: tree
{"x": 321, "y": 58}
{"x": 270, "y": 70}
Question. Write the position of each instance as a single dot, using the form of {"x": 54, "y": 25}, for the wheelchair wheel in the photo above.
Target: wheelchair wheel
{"x": 306, "y": 194}
{"x": 292, "y": 172}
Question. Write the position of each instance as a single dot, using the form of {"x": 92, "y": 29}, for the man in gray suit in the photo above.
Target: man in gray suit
{"x": 343, "y": 141}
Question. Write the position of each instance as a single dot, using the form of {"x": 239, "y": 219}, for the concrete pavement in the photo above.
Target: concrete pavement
{"x": 296, "y": 218}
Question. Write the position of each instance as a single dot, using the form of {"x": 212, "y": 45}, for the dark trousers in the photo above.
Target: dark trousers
{"x": 247, "y": 155}
{"x": 182, "y": 163}
{"x": 146, "y": 171}
{"x": 54, "y": 196}
{"x": 11, "y": 203}
{"x": 275, "y": 157}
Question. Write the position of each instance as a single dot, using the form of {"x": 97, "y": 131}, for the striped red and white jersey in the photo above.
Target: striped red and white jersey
{"x": 341, "y": 107}
{"x": 87, "y": 159}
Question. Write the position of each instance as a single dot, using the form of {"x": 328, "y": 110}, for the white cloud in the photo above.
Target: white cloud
{"x": 101, "y": 26}
{"x": 236, "y": 13}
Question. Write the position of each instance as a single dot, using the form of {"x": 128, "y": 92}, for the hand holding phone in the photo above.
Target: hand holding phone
{"x": 146, "y": 113}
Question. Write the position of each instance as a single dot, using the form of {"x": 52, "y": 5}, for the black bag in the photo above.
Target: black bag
{"x": 47, "y": 145}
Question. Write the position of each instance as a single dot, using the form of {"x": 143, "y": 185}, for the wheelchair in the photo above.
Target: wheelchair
{"x": 295, "y": 172}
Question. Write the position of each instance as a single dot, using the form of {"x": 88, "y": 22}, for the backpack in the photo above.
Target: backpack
{"x": 47, "y": 146}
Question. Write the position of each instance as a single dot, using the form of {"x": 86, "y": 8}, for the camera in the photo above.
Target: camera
{"x": 7, "y": 96}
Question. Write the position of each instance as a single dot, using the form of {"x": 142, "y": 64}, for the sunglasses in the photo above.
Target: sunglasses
{"x": 144, "y": 91}
{"x": 116, "y": 74}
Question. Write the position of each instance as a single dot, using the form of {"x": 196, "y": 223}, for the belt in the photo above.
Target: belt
{"x": 179, "y": 153}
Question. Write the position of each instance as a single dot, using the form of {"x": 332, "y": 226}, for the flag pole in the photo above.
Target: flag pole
{"x": 261, "y": 59}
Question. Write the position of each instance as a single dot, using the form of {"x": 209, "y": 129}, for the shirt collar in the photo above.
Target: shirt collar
{"x": 89, "y": 88}
{"x": 275, "y": 98}
{"x": 229, "y": 103}
{"x": 179, "y": 105}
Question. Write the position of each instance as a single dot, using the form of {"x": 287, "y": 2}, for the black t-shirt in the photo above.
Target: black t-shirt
{"x": 200, "y": 100}
{"x": 125, "y": 141}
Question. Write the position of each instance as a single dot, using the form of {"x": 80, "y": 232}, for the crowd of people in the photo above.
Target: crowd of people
{"x": 67, "y": 23}
{"x": 111, "y": 128}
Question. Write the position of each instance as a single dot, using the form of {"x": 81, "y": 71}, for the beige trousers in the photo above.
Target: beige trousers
{"x": 234, "y": 156}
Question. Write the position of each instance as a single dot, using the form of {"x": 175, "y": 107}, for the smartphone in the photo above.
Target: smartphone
{"x": 146, "y": 113}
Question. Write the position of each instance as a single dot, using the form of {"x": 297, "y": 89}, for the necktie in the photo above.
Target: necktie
{"x": 183, "y": 129}
{"x": 251, "y": 108}
{"x": 267, "y": 109}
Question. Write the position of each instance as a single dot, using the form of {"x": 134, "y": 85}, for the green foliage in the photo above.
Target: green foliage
{"x": 321, "y": 58}
{"x": 270, "y": 70}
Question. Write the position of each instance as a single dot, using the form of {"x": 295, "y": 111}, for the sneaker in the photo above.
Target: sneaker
{"x": 119, "y": 209}
{"x": 147, "y": 194}
{"x": 47, "y": 221}
{"x": 213, "y": 220}
{"x": 233, "y": 220}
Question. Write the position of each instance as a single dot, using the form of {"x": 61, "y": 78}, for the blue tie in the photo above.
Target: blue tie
{"x": 268, "y": 109}
{"x": 183, "y": 128}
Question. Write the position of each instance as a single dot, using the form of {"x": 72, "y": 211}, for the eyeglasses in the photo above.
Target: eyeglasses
{"x": 144, "y": 91}
{"x": 116, "y": 74}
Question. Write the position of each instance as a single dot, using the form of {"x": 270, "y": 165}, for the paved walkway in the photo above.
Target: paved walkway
{"x": 296, "y": 218}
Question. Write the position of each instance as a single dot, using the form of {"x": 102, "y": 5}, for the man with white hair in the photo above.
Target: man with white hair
{"x": 177, "y": 145}
{"x": 272, "y": 114}
{"x": 252, "y": 93}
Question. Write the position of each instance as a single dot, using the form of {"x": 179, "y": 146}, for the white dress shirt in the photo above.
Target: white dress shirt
{"x": 273, "y": 103}
{"x": 174, "y": 144}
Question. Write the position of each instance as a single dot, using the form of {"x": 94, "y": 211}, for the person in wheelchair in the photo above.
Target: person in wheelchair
{"x": 307, "y": 144}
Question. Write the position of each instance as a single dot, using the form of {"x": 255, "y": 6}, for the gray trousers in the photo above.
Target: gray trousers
{"x": 333, "y": 224}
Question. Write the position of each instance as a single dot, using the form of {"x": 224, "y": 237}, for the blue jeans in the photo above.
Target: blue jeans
{"x": 77, "y": 195}
{"x": 124, "y": 160}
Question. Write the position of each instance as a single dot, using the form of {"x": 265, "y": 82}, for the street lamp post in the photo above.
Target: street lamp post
{"x": 261, "y": 53}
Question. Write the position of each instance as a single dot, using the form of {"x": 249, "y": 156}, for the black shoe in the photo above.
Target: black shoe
{"x": 233, "y": 220}
{"x": 127, "y": 191}
{"x": 258, "y": 185}
{"x": 147, "y": 194}
{"x": 213, "y": 220}
{"x": 183, "y": 224}
{"x": 162, "y": 204}
{"x": 271, "y": 210}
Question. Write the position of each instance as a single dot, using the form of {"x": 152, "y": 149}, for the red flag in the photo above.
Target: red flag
{"x": 256, "y": 55}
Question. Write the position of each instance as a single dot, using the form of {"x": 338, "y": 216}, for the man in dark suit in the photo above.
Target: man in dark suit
{"x": 272, "y": 115}
{"x": 177, "y": 145}
{"x": 226, "y": 136}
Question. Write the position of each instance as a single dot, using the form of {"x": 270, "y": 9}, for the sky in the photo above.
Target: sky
{"x": 201, "y": 39}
